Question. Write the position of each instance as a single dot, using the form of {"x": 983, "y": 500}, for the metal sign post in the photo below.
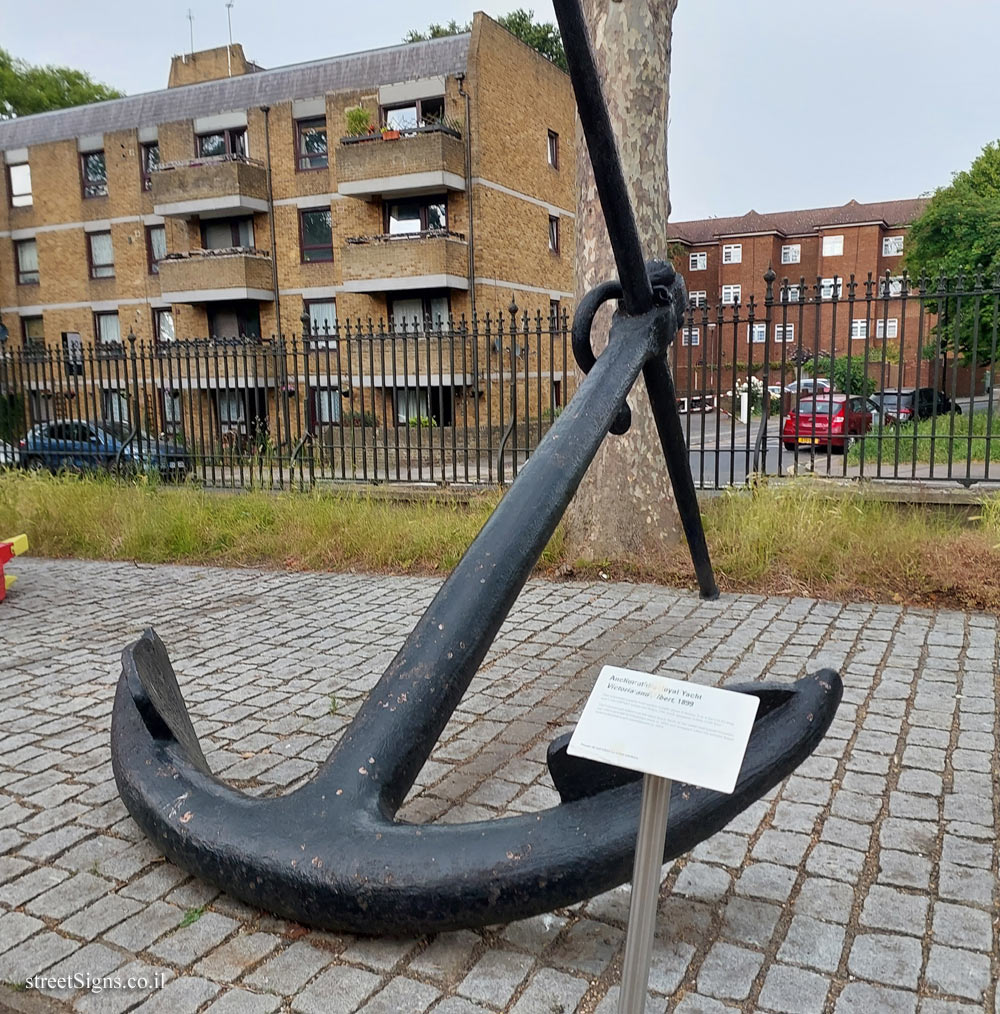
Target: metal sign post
{"x": 653, "y": 813}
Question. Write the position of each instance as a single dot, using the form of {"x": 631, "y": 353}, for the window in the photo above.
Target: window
{"x": 156, "y": 247}
{"x": 895, "y": 287}
{"x": 887, "y": 328}
{"x": 114, "y": 408}
{"x": 231, "y": 143}
{"x": 227, "y": 233}
{"x": 101, "y": 254}
{"x": 833, "y": 246}
{"x": 731, "y": 294}
{"x": 790, "y": 294}
{"x": 892, "y": 246}
{"x": 555, "y": 314}
{"x": 757, "y": 333}
{"x": 698, "y": 298}
{"x": 325, "y": 405}
{"x": 697, "y": 261}
{"x": 553, "y": 234}
{"x": 429, "y": 214}
{"x": 791, "y": 254}
{"x": 163, "y": 326}
{"x": 107, "y": 328}
{"x": 316, "y": 235}
{"x": 416, "y": 403}
{"x": 94, "y": 173}
{"x": 784, "y": 332}
{"x": 19, "y": 185}
{"x": 232, "y": 409}
{"x": 33, "y": 332}
{"x": 150, "y": 162}
{"x": 411, "y": 115}
{"x": 27, "y": 261}
{"x": 732, "y": 253}
{"x": 859, "y": 329}
{"x": 172, "y": 415}
{"x": 553, "y": 149}
{"x": 311, "y": 145}
{"x": 410, "y": 313}
{"x": 828, "y": 285}
{"x": 322, "y": 317}
{"x": 690, "y": 336}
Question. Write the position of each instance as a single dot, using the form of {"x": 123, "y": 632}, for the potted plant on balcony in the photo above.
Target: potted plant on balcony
{"x": 389, "y": 133}
{"x": 359, "y": 122}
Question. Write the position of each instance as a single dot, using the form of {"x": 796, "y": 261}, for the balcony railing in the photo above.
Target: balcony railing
{"x": 202, "y": 276}
{"x": 434, "y": 258}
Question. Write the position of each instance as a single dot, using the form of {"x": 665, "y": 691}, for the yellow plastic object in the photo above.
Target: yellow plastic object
{"x": 8, "y": 580}
{"x": 18, "y": 544}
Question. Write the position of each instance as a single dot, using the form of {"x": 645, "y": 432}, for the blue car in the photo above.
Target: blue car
{"x": 82, "y": 445}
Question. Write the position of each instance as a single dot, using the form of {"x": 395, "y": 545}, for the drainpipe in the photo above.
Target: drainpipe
{"x": 460, "y": 77}
{"x": 266, "y": 110}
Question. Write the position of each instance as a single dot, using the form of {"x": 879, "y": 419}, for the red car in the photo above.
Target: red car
{"x": 831, "y": 419}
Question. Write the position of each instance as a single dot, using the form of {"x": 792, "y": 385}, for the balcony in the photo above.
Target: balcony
{"x": 210, "y": 187}
{"x": 207, "y": 276}
{"x": 422, "y": 161}
{"x": 436, "y": 259}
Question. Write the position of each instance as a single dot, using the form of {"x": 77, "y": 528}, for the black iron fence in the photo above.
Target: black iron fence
{"x": 417, "y": 402}
{"x": 886, "y": 378}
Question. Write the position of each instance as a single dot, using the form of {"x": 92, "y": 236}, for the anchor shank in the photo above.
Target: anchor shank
{"x": 431, "y": 672}
{"x": 618, "y": 215}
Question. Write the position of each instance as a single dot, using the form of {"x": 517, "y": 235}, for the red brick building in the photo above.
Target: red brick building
{"x": 814, "y": 253}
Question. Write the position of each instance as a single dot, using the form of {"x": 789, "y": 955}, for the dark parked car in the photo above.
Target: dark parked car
{"x": 831, "y": 419}
{"x": 80, "y": 445}
{"x": 901, "y": 404}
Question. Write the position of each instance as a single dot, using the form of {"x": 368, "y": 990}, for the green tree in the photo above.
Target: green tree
{"x": 956, "y": 238}
{"x": 542, "y": 36}
{"x": 26, "y": 89}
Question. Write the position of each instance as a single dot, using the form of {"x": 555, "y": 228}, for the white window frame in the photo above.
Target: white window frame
{"x": 20, "y": 198}
{"x": 892, "y": 246}
{"x": 758, "y": 332}
{"x": 698, "y": 298}
{"x": 833, "y": 246}
{"x": 732, "y": 253}
{"x": 784, "y": 333}
{"x": 827, "y": 286}
{"x": 690, "y": 336}
{"x": 698, "y": 261}
{"x": 887, "y": 327}
{"x": 895, "y": 287}
{"x": 859, "y": 329}
{"x": 734, "y": 293}
{"x": 790, "y": 294}
{"x": 791, "y": 253}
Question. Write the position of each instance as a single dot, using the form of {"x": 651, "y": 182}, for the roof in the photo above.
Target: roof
{"x": 368, "y": 69}
{"x": 789, "y": 223}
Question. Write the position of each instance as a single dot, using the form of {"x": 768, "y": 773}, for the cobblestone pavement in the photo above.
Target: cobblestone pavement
{"x": 867, "y": 884}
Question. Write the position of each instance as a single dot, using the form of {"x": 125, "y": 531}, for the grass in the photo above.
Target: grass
{"x": 967, "y": 443}
{"x": 191, "y": 916}
{"x": 793, "y": 538}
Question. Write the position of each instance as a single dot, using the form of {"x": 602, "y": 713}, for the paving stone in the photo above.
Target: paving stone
{"x": 34, "y": 956}
{"x": 496, "y": 976}
{"x": 16, "y": 927}
{"x": 958, "y": 972}
{"x": 828, "y": 900}
{"x": 535, "y": 933}
{"x": 69, "y": 896}
{"x": 813, "y": 943}
{"x": 140, "y": 930}
{"x": 182, "y": 995}
{"x": 587, "y": 946}
{"x": 728, "y": 972}
{"x": 242, "y": 1001}
{"x": 704, "y": 882}
{"x": 233, "y": 958}
{"x": 286, "y": 973}
{"x": 695, "y": 1004}
{"x": 793, "y": 991}
{"x": 836, "y": 862}
{"x": 904, "y": 869}
{"x": 550, "y": 990}
{"x": 188, "y": 943}
{"x": 381, "y": 954}
{"x": 783, "y": 847}
{"x": 892, "y": 960}
{"x": 448, "y": 956}
{"x": 887, "y": 908}
{"x": 862, "y": 998}
{"x": 963, "y": 883}
{"x": 961, "y": 926}
{"x": 338, "y": 990}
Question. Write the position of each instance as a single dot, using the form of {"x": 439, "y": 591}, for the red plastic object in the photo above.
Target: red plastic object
{"x": 10, "y": 548}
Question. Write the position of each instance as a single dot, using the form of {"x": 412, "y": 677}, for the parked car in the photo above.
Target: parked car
{"x": 901, "y": 404}
{"x": 84, "y": 445}
{"x": 809, "y": 385}
{"x": 833, "y": 420}
{"x": 9, "y": 456}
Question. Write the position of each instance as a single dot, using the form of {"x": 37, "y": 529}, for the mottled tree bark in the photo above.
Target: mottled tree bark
{"x": 625, "y": 507}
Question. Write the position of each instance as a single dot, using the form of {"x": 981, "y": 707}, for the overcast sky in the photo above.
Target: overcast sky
{"x": 774, "y": 105}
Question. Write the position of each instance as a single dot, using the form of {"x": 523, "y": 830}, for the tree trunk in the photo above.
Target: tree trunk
{"x": 624, "y": 508}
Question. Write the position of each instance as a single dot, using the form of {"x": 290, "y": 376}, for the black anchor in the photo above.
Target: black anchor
{"x": 331, "y": 854}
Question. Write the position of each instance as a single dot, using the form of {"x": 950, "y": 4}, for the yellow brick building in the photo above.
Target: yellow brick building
{"x": 237, "y": 200}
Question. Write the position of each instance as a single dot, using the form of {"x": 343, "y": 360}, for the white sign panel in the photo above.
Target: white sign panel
{"x": 666, "y": 727}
